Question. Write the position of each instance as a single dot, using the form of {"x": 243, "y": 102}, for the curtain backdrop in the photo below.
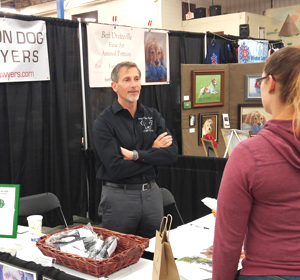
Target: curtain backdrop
{"x": 190, "y": 179}
{"x": 41, "y": 124}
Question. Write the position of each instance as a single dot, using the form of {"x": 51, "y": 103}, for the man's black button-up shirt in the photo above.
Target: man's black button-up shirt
{"x": 115, "y": 128}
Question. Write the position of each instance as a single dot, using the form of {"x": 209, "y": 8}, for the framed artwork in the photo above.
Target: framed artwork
{"x": 186, "y": 105}
{"x": 226, "y": 123}
{"x": 10, "y": 271}
{"x": 156, "y": 57}
{"x": 208, "y": 123}
{"x": 208, "y": 88}
{"x": 209, "y": 148}
{"x": 9, "y": 209}
{"x": 252, "y": 117}
{"x": 192, "y": 120}
{"x": 252, "y": 91}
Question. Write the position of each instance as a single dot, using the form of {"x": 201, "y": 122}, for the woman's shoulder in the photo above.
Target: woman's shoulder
{"x": 256, "y": 145}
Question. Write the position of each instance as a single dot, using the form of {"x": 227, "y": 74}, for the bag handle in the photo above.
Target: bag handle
{"x": 165, "y": 220}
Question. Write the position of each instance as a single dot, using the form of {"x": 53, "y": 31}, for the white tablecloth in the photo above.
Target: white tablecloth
{"x": 30, "y": 252}
{"x": 191, "y": 238}
{"x": 187, "y": 240}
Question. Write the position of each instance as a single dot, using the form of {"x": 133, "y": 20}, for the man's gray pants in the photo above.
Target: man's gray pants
{"x": 131, "y": 211}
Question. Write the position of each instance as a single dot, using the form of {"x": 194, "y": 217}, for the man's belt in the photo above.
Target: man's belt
{"x": 140, "y": 187}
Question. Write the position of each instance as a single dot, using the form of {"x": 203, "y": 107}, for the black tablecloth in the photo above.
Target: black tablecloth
{"x": 191, "y": 179}
{"x": 41, "y": 271}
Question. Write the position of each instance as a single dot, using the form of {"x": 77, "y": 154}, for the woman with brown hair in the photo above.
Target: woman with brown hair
{"x": 259, "y": 197}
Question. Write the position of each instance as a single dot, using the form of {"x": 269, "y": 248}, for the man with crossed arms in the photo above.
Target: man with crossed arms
{"x": 131, "y": 139}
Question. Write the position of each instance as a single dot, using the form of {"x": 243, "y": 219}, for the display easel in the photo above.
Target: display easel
{"x": 209, "y": 148}
{"x": 232, "y": 138}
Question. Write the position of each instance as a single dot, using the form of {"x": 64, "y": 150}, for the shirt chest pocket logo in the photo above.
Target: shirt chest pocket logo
{"x": 147, "y": 123}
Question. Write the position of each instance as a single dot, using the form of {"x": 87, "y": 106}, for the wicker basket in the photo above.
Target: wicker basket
{"x": 129, "y": 250}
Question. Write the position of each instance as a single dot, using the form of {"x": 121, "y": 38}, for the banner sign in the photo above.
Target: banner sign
{"x": 251, "y": 51}
{"x": 23, "y": 51}
{"x": 109, "y": 45}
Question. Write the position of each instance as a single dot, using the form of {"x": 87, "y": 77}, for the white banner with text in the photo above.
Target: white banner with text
{"x": 109, "y": 45}
{"x": 23, "y": 51}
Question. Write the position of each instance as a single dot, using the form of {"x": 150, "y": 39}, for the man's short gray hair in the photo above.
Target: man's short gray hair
{"x": 115, "y": 72}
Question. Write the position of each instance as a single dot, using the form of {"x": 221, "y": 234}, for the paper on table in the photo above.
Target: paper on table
{"x": 210, "y": 202}
{"x": 190, "y": 239}
{"x": 191, "y": 271}
{"x": 7, "y": 210}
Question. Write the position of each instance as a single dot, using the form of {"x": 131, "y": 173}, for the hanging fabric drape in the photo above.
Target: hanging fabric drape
{"x": 41, "y": 124}
{"x": 191, "y": 179}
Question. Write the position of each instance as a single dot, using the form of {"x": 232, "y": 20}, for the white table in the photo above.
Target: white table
{"x": 30, "y": 252}
{"x": 189, "y": 239}
{"x": 186, "y": 240}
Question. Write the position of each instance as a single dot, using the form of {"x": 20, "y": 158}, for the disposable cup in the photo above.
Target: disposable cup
{"x": 35, "y": 226}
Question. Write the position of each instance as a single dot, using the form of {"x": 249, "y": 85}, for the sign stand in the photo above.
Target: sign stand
{"x": 235, "y": 133}
{"x": 9, "y": 210}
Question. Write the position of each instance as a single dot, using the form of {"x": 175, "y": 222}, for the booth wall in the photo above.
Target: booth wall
{"x": 234, "y": 94}
{"x": 229, "y": 24}
{"x": 278, "y": 17}
{"x": 250, "y": 6}
{"x": 171, "y": 14}
{"x": 167, "y": 14}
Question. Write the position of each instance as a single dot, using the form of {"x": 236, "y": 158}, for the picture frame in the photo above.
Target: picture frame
{"x": 9, "y": 209}
{"x": 210, "y": 150}
{"x": 208, "y": 88}
{"x": 252, "y": 92}
{"x": 226, "y": 123}
{"x": 13, "y": 270}
{"x": 192, "y": 120}
{"x": 252, "y": 117}
{"x": 214, "y": 117}
{"x": 186, "y": 105}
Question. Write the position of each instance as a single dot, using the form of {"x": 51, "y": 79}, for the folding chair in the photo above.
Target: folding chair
{"x": 168, "y": 199}
{"x": 38, "y": 204}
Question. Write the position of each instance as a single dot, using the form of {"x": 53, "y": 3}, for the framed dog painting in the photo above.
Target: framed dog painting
{"x": 252, "y": 117}
{"x": 156, "y": 58}
{"x": 208, "y": 124}
{"x": 208, "y": 88}
{"x": 252, "y": 91}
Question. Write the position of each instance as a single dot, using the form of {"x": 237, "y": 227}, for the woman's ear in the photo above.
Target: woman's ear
{"x": 272, "y": 84}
